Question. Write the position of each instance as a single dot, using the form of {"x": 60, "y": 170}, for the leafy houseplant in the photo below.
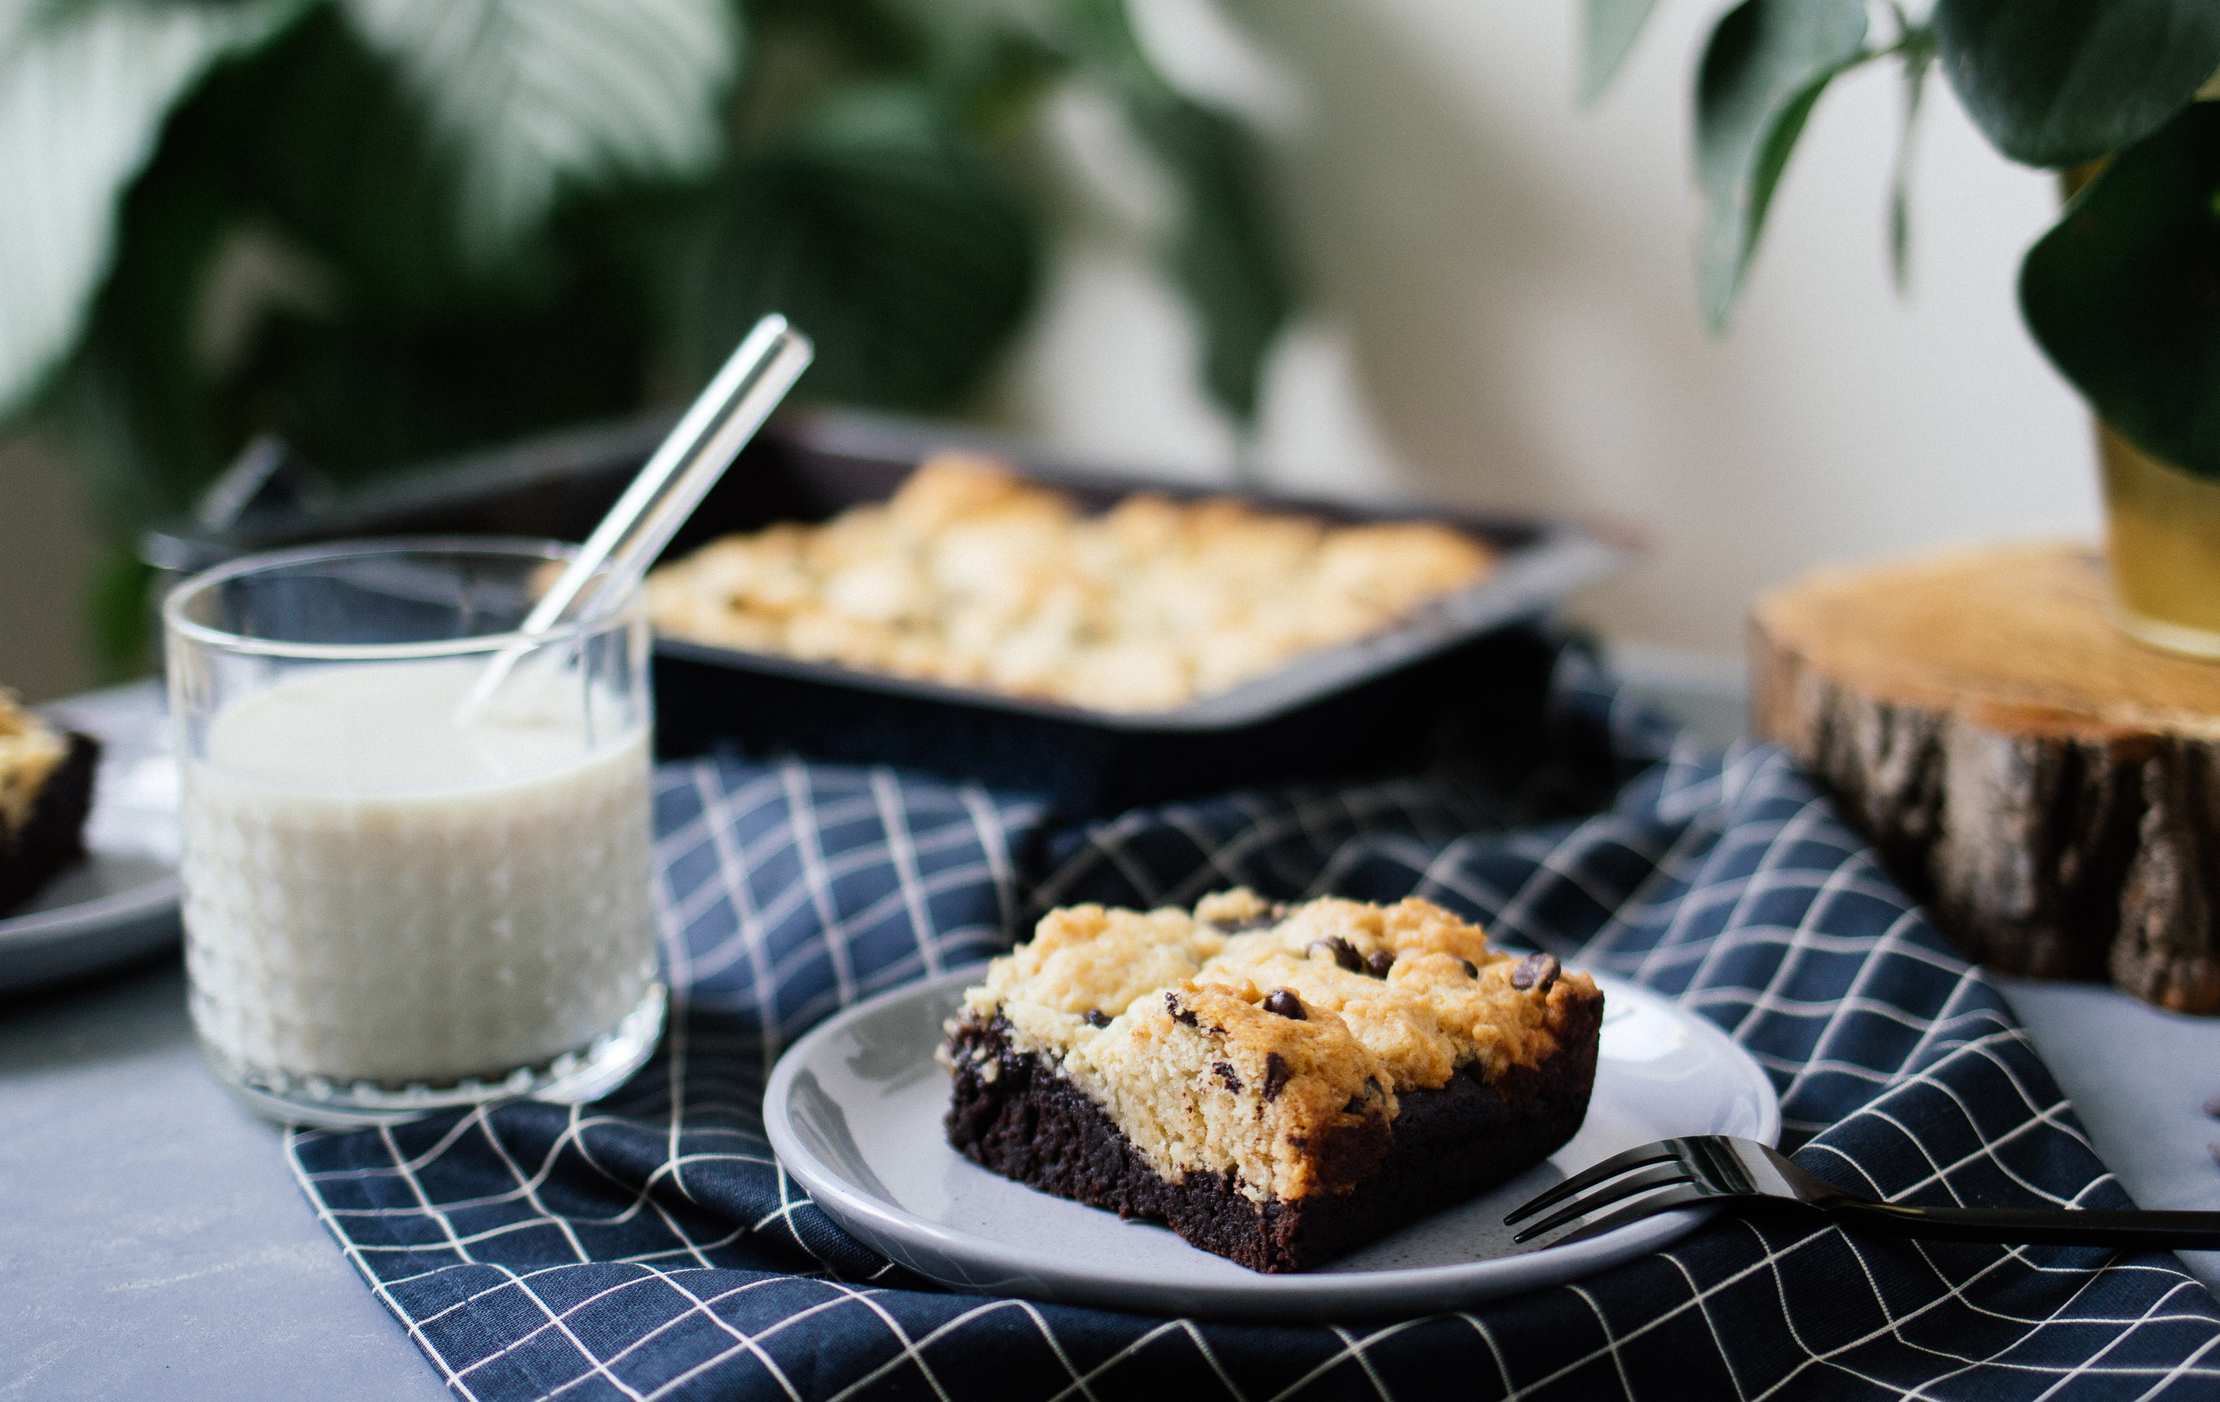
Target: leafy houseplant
{"x": 390, "y": 229}
{"x": 2123, "y": 293}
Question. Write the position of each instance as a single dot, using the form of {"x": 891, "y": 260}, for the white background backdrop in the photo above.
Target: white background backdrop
{"x": 1503, "y": 313}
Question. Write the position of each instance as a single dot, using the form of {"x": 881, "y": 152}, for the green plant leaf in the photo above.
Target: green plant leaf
{"x": 1763, "y": 69}
{"x": 2059, "y": 82}
{"x": 1608, "y": 29}
{"x": 320, "y": 138}
{"x": 2123, "y": 293}
{"x": 1919, "y": 60}
{"x": 119, "y": 615}
{"x": 1226, "y": 257}
{"x": 298, "y": 196}
{"x": 360, "y": 398}
{"x": 84, "y": 91}
{"x": 133, "y": 407}
{"x": 875, "y": 227}
{"x": 1226, "y": 253}
{"x": 534, "y": 97}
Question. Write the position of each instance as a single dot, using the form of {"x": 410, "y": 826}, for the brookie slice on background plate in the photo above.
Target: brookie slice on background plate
{"x": 46, "y": 785}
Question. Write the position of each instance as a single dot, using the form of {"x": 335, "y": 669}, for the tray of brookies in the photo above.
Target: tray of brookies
{"x": 877, "y": 590}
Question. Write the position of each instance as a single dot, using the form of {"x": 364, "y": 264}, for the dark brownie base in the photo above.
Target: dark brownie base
{"x": 54, "y": 835}
{"x": 1030, "y": 1124}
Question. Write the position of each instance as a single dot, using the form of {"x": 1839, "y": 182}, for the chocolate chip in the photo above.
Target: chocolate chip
{"x": 2212, "y": 1107}
{"x": 1344, "y": 953}
{"x": 1354, "y": 1105}
{"x": 1265, "y": 919}
{"x": 1378, "y": 962}
{"x": 1284, "y": 1002}
{"x": 1276, "y": 1073}
{"x": 1183, "y": 1016}
{"x": 2215, "y": 1147}
{"x": 1472, "y": 970}
{"x": 1535, "y": 971}
{"x": 1096, "y": 1017}
{"x": 1245, "y": 925}
{"x": 1226, "y": 1074}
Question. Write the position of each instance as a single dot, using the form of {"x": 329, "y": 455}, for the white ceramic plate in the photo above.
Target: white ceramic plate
{"x": 120, "y": 903}
{"x": 854, "y": 1112}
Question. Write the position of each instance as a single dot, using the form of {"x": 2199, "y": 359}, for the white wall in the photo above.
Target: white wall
{"x": 1504, "y": 308}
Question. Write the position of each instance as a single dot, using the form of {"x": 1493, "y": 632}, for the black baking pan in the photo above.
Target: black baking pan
{"x": 1364, "y": 703}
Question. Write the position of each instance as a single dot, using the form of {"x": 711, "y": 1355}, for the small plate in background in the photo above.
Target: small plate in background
{"x": 120, "y": 902}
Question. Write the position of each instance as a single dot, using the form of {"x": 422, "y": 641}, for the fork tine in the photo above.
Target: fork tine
{"x": 1663, "y": 1151}
{"x": 1685, "y": 1196}
{"x": 1663, "y": 1175}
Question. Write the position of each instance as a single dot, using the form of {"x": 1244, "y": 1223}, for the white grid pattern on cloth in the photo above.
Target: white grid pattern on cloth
{"x": 650, "y": 1246}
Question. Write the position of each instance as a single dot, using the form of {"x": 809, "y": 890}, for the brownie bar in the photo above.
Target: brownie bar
{"x": 52, "y": 834}
{"x": 1277, "y": 1083}
{"x": 1031, "y": 1125}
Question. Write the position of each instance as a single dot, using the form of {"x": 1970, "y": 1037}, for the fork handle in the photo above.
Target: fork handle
{"x": 2176, "y": 1230}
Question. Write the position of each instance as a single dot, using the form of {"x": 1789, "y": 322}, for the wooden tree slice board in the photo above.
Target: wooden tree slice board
{"x": 2051, "y": 787}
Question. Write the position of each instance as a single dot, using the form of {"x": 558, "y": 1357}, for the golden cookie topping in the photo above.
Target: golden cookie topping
{"x": 974, "y": 577}
{"x": 1239, "y": 1036}
{"x": 30, "y": 751}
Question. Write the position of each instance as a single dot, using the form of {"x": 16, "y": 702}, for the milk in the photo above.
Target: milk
{"x": 377, "y": 890}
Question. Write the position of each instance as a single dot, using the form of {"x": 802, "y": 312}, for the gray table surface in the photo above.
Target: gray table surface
{"x": 154, "y": 1243}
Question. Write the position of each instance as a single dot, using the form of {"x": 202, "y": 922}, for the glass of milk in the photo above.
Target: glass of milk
{"x": 398, "y": 900}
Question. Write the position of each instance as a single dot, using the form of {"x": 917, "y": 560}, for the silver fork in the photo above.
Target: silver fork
{"x": 1718, "y": 1168}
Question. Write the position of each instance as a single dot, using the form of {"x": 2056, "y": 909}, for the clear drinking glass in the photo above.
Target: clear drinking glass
{"x": 395, "y": 900}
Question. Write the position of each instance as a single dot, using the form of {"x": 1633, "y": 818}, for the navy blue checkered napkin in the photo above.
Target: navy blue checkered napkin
{"x": 649, "y": 1246}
